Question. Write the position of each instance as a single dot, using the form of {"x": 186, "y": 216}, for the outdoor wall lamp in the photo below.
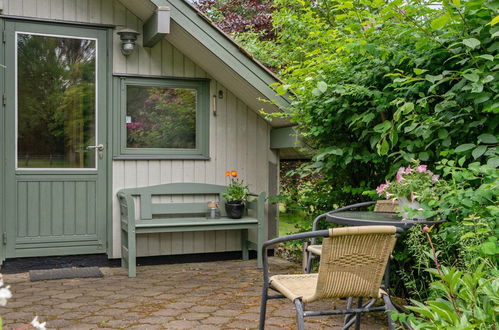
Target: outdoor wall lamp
{"x": 128, "y": 38}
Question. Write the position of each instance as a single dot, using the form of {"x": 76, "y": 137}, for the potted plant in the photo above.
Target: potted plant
{"x": 412, "y": 185}
{"x": 235, "y": 196}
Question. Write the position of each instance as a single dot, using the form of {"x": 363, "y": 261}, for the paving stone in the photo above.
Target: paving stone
{"x": 215, "y": 295}
{"x": 249, "y": 316}
{"x": 157, "y": 320}
{"x": 117, "y": 324}
{"x": 193, "y": 316}
{"x": 216, "y": 320}
{"x": 182, "y": 324}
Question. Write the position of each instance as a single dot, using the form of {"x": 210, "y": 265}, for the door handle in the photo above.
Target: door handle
{"x": 99, "y": 147}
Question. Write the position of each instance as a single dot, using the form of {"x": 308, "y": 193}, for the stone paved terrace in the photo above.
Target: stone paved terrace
{"x": 212, "y": 295}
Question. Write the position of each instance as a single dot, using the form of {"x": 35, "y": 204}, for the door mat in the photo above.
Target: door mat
{"x": 64, "y": 273}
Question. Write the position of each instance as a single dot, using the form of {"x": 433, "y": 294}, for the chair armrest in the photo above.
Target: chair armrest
{"x": 293, "y": 237}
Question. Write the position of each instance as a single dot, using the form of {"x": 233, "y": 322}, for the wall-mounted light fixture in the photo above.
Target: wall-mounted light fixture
{"x": 128, "y": 38}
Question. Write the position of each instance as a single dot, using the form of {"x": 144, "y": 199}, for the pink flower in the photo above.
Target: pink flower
{"x": 421, "y": 168}
{"x": 408, "y": 170}
{"x": 434, "y": 178}
{"x": 382, "y": 187}
{"x": 400, "y": 172}
{"x": 413, "y": 197}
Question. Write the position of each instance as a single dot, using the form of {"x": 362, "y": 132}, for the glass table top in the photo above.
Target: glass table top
{"x": 363, "y": 218}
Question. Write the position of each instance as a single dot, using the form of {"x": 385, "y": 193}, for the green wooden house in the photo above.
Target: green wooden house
{"x": 83, "y": 115}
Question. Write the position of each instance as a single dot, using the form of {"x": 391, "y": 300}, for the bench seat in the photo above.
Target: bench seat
{"x": 201, "y": 224}
{"x": 183, "y": 217}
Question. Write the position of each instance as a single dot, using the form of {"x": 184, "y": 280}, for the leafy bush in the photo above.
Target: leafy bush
{"x": 466, "y": 300}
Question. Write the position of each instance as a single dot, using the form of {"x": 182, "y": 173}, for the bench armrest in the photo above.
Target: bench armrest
{"x": 258, "y": 206}
{"x": 127, "y": 208}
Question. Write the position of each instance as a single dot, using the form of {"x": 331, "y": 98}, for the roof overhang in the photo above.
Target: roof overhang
{"x": 289, "y": 143}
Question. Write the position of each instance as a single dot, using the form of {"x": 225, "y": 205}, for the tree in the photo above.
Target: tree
{"x": 236, "y": 16}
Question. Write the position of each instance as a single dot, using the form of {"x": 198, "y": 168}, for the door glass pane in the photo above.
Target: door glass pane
{"x": 55, "y": 102}
{"x": 161, "y": 117}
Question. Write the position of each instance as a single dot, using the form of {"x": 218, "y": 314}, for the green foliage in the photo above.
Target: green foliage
{"x": 236, "y": 191}
{"x": 375, "y": 84}
{"x": 467, "y": 198}
{"x": 468, "y": 300}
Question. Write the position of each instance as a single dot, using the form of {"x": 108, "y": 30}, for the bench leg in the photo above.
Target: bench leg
{"x": 124, "y": 249}
{"x": 244, "y": 243}
{"x": 132, "y": 255}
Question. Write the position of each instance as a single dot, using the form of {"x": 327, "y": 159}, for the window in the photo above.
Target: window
{"x": 164, "y": 118}
{"x": 56, "y": 101}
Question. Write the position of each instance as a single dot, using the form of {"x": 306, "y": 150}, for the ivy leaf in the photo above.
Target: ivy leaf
{"x": 410, "y": 127}
{"x": 383, "y": 148}
{"x": 487, "y": 138}
{"x": 487, "y": 57}
{"x": 424, "y": 156}
{"x": 493, "y": 162}
{"x": 471, "y": 43}
{"x": 473, "y": 77}
{"x": 383, "y": 127}
{"x": 419, "y": 71}
{"x": 282, "y": 89}
{"x": 322, "y": 86}
{"x": 433, "y": 79}
{"x": 476, "y": 88}
{"x": 456, "y": 3}
{"x": 494, "y": 21}
{"x": 478, "y": 151}
{"x": 465, "y": 147}
{"x": 489, "y": 248}
{"x": 440, "y": 22}
{"x": 316, "y": 92}
{"x": 443, "y": 133}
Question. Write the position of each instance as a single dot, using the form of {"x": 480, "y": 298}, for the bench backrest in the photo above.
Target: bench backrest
{"x": 148, "y": 208}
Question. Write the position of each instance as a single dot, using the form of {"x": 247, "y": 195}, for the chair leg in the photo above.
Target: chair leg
{"x": 310, "y": 262}
{"x": 300, "y": 322}
{"x": 389, "y": 308}
{"x": 358, "y": 315}
{"x": 263, "y": 306}
{"x": 348, "y": 316}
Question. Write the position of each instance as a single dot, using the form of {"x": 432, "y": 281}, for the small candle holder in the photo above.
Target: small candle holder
{"x": 213, "y": 210}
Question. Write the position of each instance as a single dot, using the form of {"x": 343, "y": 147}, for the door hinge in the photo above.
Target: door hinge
{"x": 4, "y": 238}
{"x": 4, "y": 36}
{"x": 4, "y": 99}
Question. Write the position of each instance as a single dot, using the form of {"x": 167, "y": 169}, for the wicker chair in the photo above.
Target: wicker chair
{"x": 352, "y": 264}
{"x": 312, "y": 250}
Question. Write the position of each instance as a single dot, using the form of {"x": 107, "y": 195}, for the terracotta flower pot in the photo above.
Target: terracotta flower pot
{"x": 235, "y": 209}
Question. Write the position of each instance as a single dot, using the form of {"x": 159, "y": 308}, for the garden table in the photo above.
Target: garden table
{"x": 370, "y": 218}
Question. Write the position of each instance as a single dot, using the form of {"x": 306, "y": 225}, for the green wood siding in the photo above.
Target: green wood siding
{"x": 238, "y": 137}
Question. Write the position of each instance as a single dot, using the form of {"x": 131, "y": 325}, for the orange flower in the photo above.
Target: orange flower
{"x": 234, "y": 174}
{"x": 227, "y": 173}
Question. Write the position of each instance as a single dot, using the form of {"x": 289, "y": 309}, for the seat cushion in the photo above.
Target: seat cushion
{"x": 295, "y": 286}
{"x": 300, "y": 286}
{"x": 315, "y": 249}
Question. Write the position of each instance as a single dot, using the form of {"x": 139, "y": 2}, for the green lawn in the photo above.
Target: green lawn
{"x": 287, "y": 223}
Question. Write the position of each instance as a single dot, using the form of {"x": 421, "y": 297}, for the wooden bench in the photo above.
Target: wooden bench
{"x": 159, "y": 217}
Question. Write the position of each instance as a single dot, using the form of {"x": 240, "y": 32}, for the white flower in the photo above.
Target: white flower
{"x": 4, "y": 295}
{"x": 38, "y": 325}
